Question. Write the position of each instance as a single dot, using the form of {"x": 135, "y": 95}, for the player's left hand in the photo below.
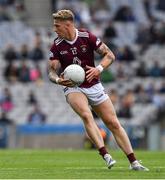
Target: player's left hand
{"x": 92, "y": 73}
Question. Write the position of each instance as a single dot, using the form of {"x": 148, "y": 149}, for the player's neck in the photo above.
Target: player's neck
{"x": 71, "y": 35}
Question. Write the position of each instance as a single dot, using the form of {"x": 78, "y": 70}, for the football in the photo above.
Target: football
{"x": 75, "y": 73}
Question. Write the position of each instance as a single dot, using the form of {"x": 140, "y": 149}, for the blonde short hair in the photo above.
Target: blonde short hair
{"x": 64, "y": 15}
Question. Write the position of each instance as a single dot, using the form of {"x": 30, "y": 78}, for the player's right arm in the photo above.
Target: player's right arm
{"x": 53, "y": 66}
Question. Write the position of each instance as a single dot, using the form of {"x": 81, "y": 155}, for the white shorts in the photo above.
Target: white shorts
{"x": 95, "y": 94}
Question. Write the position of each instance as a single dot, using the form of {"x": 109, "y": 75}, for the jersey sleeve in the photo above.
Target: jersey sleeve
{"x": 53, "y": 53}
{"x": 95, "y": 42}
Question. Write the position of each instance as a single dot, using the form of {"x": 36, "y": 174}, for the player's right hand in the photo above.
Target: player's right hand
{"x": 65, "y": 82}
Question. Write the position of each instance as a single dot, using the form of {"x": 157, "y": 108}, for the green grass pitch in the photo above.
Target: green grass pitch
{"x": 72, "y": 164}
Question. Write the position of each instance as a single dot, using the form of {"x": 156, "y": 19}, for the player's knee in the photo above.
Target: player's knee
{"x": 86, "y": 116}
{"x": 114, "y": 124}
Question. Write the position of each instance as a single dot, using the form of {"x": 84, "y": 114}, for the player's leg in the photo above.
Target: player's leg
{"x": 79, "y": 103}
{"x": 106, "y": 111}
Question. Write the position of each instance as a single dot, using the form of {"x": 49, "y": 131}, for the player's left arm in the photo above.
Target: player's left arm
{"x": 107, "y": 59}
{"x": 107, "y": 55}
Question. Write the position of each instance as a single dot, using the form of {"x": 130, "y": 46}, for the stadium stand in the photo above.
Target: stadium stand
{"x": 50, "y": 97}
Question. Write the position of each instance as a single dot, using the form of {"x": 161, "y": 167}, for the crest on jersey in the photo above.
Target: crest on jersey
{"x": 83, "y": 48}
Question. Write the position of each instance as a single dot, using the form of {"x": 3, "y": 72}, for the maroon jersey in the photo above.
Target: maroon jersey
{"x": 79, "y": 51}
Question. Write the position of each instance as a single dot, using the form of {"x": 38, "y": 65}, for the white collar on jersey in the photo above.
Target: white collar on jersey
{"x": 72, "y": 42}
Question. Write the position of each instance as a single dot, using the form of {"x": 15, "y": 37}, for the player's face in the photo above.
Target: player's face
{"x": 60, "y": 27}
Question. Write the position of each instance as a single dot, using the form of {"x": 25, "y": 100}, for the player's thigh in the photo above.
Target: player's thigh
{"x": 79, "y": 103}
{"x": 107, "y": 113}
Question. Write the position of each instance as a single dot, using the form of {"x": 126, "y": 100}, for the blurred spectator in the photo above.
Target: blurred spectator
{"x": 155, "y": 70}
{"x": 37, "y": 53}
{"x": 6, "y": 102}
{"x": 35, "y": 73}
{"x": 162, "y": 88}
{"x": 11, "y": 72}
{"x": 24, "y": 73}
{"x": 37, "y": 117}
{"x": 143, "y": 37}
{"x": 127, "y": 102}
{"x": 124, "y": 110}
{"x": 129, "y": 98}
{"x": 126, "y": 54}
{"x": 10, "y": 53}
{"x": 4, "y": 120}
{"x": 32, "y": 99}
{"x": 141, "y": 95}
{"x": 24, "y": 52}
{"x": 120, "y": 71}
{"x": 110, "y": 31}
{"x": 124, "y": 14}
{"x": 141, "y": 70}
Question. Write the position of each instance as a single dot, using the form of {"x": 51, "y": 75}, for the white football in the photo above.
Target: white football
{"x": 75, "y": 73}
